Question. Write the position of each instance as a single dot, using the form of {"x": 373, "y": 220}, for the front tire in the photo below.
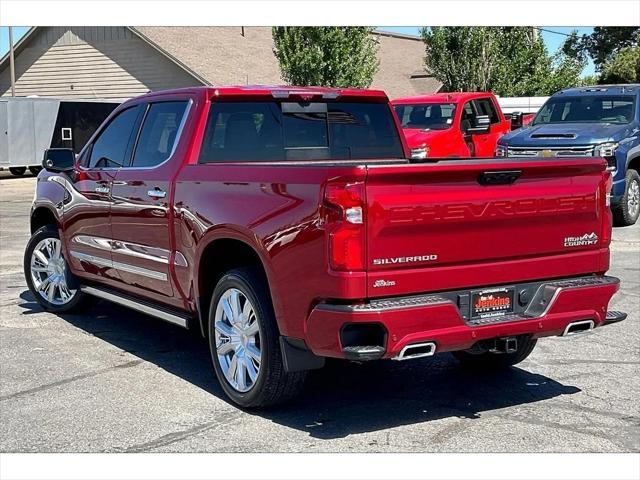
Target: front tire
{"x": 47, "y": 273}
{"x": 627, "y": 211}
{"x": 496, "y": 361}
{"x": 244, "y": 342}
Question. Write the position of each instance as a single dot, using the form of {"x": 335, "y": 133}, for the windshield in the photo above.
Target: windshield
{"x": 587, "y": 109}
{"x": 426, "y": 116}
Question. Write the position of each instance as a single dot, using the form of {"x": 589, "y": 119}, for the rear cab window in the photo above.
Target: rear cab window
{"x": 276, "y": 131}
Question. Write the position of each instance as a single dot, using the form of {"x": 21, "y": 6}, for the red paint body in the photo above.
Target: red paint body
{"x": 453, "y": 142}
{"x": 480, "y": 235}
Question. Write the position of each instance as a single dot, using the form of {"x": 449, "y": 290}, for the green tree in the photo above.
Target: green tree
{"x": 462, "y": 58}
{"x": 510, "y": 61}
{"x": 326, "y": 56}
{"x": 623, "y": 68}
{"x": 603, "y": 44}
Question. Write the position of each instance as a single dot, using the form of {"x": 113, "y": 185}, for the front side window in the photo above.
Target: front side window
{"x": 426, "y": 116}
{"x": 468, "y": 118}
{"x": 587, "y": 109}
{"x": 110, "y": 148}
{"x": 159, "y": 133}
{"x": 486, "y": 107}
{"x": 272, "y": 131}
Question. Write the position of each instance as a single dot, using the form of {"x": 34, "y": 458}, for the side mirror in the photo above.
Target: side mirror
{"x": 516, "y": 120}
{"x": 483, "y": 123}
{"x": 59, "y": 160}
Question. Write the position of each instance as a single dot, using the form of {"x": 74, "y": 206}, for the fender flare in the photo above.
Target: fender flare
{"x": 245, "y": 236}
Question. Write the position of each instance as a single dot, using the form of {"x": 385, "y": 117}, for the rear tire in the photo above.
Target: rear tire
{"x": 35, "y": 170}
{"x": 17, "y": 171}
{"x": 496, "y": 361}
{"x": 244, "y": 342}
{"x": 627, "y": 211}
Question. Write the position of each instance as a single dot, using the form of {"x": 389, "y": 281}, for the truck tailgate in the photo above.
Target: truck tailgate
{"x": 461, "y": 223}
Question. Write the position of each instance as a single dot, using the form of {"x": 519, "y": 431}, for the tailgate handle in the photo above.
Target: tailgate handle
{"x": 504, "y": 177}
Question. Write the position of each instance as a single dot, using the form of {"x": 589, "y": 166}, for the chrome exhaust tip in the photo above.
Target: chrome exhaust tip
{"x": 416, "y": 350}
{"x": 575, "y": 328}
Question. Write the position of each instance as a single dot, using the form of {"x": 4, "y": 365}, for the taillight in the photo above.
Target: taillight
{"x": 344, "y": 212}
{"x": 607, "y": 217}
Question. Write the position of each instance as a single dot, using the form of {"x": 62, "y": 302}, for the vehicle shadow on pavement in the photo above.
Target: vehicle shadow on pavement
{"x": 339, "y": 400}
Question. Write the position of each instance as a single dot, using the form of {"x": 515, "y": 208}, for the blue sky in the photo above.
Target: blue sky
{"x": 552, "y": 40}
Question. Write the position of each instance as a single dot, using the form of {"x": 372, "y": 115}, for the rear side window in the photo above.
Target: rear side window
{"x": 270, "y": 131}
{"x": 159, "y": 133}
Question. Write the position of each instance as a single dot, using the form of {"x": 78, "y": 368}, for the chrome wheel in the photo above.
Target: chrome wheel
{"x": 237, "y": 340}
{"x": 48, "y": 272}
{"x": 633, "y": 198}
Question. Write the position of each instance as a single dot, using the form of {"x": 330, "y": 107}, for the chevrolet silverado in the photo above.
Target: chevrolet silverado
{"x": 287, "y": 225}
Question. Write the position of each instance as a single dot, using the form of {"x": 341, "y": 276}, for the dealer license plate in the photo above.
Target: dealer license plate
{"x": 492, "y": 303}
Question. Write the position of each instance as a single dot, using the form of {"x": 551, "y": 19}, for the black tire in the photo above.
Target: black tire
{"x": 273, "y": 384}
{"x": 35, "y": 170}
{"x": 496, "y": 361}
{"x": 17, "y": 171}
{"x": 624, "y": 213}
{"x": 49, "y": 231}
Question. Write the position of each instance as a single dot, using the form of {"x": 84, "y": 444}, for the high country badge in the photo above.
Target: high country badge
{"x": 586, "y": 239}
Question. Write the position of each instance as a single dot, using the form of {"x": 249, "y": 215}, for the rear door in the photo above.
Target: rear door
{"x": 140, "y": 215}
{"x": 445, "y": 225}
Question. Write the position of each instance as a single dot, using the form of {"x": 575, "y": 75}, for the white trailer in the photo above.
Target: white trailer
{"x": 524, "y": 105}
{"x": 30, "y": 125}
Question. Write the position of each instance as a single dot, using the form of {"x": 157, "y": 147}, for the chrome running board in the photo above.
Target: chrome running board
{"x": 136, "y": 305}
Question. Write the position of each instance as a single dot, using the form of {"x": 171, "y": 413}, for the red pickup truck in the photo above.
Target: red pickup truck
{"x": 460, "y": 125}
{"x": 287, "y": 225}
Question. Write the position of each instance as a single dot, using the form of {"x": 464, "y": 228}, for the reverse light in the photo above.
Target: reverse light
{"x": 353, "y": 215}
{"x": 344, "y": 211}
{"x": 420, "y": 153}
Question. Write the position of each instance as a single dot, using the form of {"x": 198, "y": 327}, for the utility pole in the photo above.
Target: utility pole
{"x": 11, "y": 63}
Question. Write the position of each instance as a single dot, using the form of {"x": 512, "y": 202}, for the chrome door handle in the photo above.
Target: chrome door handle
{"x": 157, "y": 193}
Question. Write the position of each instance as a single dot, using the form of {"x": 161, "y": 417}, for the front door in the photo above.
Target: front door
{"x": 485, "y": 143}
{"x": 87, "y": 231}
{"x": 140, "y": 215}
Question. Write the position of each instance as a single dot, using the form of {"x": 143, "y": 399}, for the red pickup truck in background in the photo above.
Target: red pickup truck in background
{"x": 460, "y": 125}
{"x": 287, "y": 225}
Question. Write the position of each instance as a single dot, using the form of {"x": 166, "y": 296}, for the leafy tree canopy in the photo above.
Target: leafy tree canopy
{"x": 510, "y": 61}
{"x": 603, "y": 44}
{"x": 326, "y": 56}
{"x": 623, "y": 68}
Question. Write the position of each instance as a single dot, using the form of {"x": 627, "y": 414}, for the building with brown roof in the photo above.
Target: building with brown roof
{"x": 122, "y": 62}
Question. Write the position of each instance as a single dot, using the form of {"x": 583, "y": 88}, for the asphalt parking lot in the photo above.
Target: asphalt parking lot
{"x": 111, "y": 380}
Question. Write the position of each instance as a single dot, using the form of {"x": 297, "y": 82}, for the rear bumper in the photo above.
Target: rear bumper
{"x": 433, "y": 318}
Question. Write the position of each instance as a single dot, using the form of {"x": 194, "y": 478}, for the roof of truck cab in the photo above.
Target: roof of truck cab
{"x": 452, "y": 97}
{"x": 258, "y": 90}
{"x": 628, "y": 89}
